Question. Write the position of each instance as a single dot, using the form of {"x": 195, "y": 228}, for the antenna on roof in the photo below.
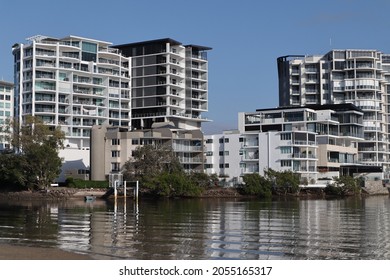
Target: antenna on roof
{"x": 330, "y": 42}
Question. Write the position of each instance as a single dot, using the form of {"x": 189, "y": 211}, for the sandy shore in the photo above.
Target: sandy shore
{"x": 14, "y": 252}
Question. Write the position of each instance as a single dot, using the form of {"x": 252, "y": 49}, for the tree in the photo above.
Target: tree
{"x": 149, "y": 161}
{"x": 344, "y": 186}
{"x": 283, "y": 181}
{"x": 255, "y": 184}
{"x": 35, "y": 162}
{"x": 161, "y": 173}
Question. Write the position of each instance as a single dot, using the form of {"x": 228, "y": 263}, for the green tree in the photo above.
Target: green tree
{"x": 283, "y": 181}
{"x": 149, "y": 161}
{"x": 35, "y": 162}
{"x": 255, "y": 184}
{"x": 12, "y": 173}
{"x": 160, "y": 172}
{"x": 344, "y": 185}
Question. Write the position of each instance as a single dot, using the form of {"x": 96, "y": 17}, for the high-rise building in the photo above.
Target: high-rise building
{"x": 74, "y": 83}
{"x": 6, "y": 111}
{"x": 169, "y": 83}
{"x": 360, "y": 77}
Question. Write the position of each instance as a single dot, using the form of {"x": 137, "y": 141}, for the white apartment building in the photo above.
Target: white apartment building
{"x": 6, "y": 110}
{"x": 223, "y": 155}
{"x": 317, "y": 143}
{"x": 360, "y": 77}
{"x": 72, "y": 82}
{"x": 170, "y": 83}
{"x": 76, "y": 83}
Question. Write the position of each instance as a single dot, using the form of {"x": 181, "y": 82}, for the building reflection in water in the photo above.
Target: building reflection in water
{"x": 352, "y": 228}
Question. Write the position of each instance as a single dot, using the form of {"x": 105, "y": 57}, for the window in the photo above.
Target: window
{"x": 241, "y": 139}
{"x": 115, "y": 142}
{"x": 285, "y": 150}
{"x": 226, "y": 140}
{"x": 209, "y": 141}
{"x": 207, "y": 165}
{"x": 226, "y": 165}
{"x": 115, "y": 166}
{"x": 284, "y": 163}
{"x": 89, "y": 51}
{"x": 221, "y": 153}
{"x": 209, "y": 153}
{"x": 226, "y": 153}
{"x": 220, "y": 140}
{"x": 115, "y": 153}
{"x": 221, "y": 165}
{"x": 285, "y": 136}
{"x": 135, "y": 141}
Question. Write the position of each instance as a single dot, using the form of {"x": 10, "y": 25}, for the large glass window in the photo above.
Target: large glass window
{"x": 89, "y": 51}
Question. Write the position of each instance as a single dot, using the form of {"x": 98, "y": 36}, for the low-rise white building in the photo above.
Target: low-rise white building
{"x": 317, "y": 142}
{"x": 6, "y": 110}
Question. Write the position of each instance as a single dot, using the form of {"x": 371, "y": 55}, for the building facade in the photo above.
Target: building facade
{"x": 73, "y": 83}
{"x": 6, "y": 111}
{"x": 169, "y": 83}
{"x": 112, "y": 147}
{"x": 222, "y": 155}
{"x": 360, "y": 77}
{"x": 315, "y": 142}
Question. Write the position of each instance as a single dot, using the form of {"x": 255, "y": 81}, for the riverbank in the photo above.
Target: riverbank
{"x": 53, "y": 193}
{"x": 64, "y": 193}
{"x": 16, "y": 252}
{"x": 61, "y": 193}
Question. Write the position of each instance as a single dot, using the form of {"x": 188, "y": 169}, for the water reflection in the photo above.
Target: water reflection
{"x": 205, "y": 228}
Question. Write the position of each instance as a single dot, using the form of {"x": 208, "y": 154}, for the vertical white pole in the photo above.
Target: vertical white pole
{"x": 115, "y": 190}
{"x": 124, "y": 189}
{"x": 136, "y": 191}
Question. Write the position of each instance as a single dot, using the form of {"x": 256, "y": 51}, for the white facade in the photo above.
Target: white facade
{"x": 73, "y": 83}
{"x": 360, "y": 77}
{"x": 223, "y": 155}
{"x": 6, "y": 110}
{"x": 314, "y": 143}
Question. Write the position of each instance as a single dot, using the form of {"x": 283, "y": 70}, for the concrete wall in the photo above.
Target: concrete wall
{"x": 375, "y": 187}
{"x": 74, "y": 159}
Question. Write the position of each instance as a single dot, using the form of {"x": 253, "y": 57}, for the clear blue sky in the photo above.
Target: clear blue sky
{"x": 246, "y": 36}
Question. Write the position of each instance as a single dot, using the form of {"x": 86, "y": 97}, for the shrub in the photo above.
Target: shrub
{"x": 82, "y": 184}
{"x": 344, "y": 185}
{"x": 255, "y": 184}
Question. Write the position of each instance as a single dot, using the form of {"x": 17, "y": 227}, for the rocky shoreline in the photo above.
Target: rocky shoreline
{"x": 63, "y": 193}
{"x": 51, "y": 194}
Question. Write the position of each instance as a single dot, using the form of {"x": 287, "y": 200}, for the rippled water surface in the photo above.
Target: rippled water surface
{"x": 352, "y": 228}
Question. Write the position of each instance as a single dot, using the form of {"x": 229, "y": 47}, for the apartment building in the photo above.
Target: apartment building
{"x": 169, "y": 83}
{"x": 360, "y": 77}
{"x": 317, "y": 142}
{"x": 6, "y": 110}
{"x": 74, "y": 83}
{"x": 112, "y": 147}
{"x": 223, "y": 156}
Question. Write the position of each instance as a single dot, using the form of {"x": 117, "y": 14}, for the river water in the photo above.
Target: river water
{"x": 353, "y": 228}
